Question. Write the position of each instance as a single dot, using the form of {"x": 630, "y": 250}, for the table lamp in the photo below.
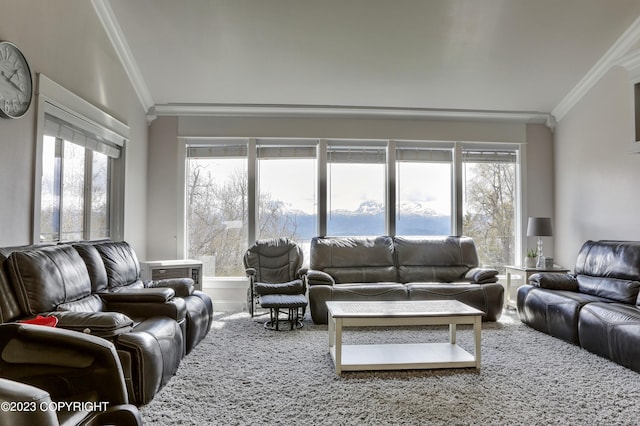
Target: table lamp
{"x": 539, "y": 227}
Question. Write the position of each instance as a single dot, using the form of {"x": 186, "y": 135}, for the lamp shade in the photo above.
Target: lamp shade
{"x": 539, "y": 227}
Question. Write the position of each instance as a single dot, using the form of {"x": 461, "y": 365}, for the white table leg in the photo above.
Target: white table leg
{"x": 331, "y": 332}
{"x": 338, "y": 344}
{"x": 507, "y": 293}
{"x": 452, "y": 334}
{"x": 477, "y": 329}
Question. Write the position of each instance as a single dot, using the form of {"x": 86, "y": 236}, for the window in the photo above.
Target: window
{"x": 356, "y": 190}
{"x": 489, "y": 204}
{"x": 217, "y": 207}
{"x": 286, "y": 177}
{"x": 423, "y": 182}
{"x": 79, "y": 182}
{"x": 75, "y": 195}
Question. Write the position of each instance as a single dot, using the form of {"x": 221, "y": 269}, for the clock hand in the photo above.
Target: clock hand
{"x": 9, "y": 78}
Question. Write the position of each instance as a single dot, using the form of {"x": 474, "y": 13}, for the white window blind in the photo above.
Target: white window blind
{"x": 356, "y": 155}
{"x": 217, "y": 151}
{"x": 489, "y": 156}
{"x": 59, "y": 128}
{"x": 413, "y": 154}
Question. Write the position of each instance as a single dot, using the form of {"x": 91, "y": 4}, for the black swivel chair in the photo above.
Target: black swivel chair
{"x": 277, "y": 280}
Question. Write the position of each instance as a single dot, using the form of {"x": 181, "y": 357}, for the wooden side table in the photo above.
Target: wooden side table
{"x": 525, "y": 273}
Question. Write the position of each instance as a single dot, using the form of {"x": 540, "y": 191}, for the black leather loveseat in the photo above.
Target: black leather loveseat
{"x": 400, "y": 268}
{"x": 596, "y": 307}
{"x": 145, "y": 327}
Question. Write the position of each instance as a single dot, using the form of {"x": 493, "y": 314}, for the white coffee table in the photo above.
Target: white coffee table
{"x": 407, "y": 355}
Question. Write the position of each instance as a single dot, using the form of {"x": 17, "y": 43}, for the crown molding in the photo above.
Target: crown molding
{"x": 631, "y": 63}
{"x": 328, "y": 111}
{"x": 611, "y": 58}
{"x": 110, "y": 23}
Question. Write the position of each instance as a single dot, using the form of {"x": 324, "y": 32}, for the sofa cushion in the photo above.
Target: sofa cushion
{"x": 120, "y": 262}
{"x": 47, "y": 277}
{"x": 443, "y": 274}
{"x": 442, "y": 259}
{"x": 621, "y": 290}
{"x": 363, "y": 274}
{"x": 612, "y": 330}
{"x": 436, "y": 251}
{"x": 609, "y": 259}
{"x": 350, "y": 252}
{"x": 95, "y": 266}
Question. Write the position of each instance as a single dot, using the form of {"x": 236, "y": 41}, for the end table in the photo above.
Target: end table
{"x": 525, "y": 273}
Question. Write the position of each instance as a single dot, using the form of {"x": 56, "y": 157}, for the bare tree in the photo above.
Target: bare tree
{"x": 490, "y": 217}
{"x": 218, "y": 218}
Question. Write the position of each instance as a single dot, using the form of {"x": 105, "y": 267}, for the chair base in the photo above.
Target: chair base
{"x": 290, "y": 304}
{"x": 293, "y": 319}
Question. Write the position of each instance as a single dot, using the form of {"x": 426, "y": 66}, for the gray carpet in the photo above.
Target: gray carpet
{"x": 242, "y": 374}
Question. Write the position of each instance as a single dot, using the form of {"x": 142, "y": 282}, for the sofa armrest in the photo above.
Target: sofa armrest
{"x": 146, "y": 307}
{"x": 554, "y": 281}
{"x": 101, "y": 324}
{"x": 139, "y": 295}
{"x": 315, "y": 277}
{"x": 182, "y": 287}
{"x": 482, "y": 275}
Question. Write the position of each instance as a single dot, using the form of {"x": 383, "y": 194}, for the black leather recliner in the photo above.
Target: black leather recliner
{"x": 596, "y": 307}
{"x": 145, "y": 327}
{"x": 114, "y": 268}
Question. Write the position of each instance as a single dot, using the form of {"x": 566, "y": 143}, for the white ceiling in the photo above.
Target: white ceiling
{"x": 471, "y": 55}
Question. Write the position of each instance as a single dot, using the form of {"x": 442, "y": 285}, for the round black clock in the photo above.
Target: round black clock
{"x": 16, "y": 86}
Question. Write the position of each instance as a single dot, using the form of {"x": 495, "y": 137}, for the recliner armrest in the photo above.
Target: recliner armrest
{"x": 101, "y": 324}
{"x": 482, "y": 275}
{"x": 182, "y": 287}
{"x": 315, "y": 277}
{"x": 554, "y": 281}
{"x": 86, "y": 362}
{"x": 32, "y": 399}
{"x": 142, "y": 295}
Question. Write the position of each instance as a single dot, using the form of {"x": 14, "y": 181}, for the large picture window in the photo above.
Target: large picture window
{"x": 240, "y": 190}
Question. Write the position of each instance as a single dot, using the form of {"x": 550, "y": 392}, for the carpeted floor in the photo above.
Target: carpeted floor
{"x": 242, "y": 374}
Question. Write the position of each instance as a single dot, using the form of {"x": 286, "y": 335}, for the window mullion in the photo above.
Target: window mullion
{"x": 88, "y": 187}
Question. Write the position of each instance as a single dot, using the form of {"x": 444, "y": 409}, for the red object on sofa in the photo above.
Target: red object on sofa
{"x": 40, "y": 320}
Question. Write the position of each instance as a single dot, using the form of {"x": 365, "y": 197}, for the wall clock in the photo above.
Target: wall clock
{"x": 15, "y": 82}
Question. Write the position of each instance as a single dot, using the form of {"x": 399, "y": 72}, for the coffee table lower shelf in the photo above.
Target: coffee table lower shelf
{"x": 406, "y": 356}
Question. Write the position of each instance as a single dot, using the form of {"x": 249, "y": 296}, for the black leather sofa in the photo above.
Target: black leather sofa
{"x": 400, "y": 268}
{"x": 145, "y": 327}
{"x": 114, "y": 269}
{"x": 597, "y": 307}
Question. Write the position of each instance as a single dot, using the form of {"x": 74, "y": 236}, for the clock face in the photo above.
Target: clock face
{"x": 15, "y": 81}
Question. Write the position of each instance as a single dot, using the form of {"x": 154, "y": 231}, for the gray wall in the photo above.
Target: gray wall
{"x": 164, "y": 170}
{"x": 596, "y": 176}
{"x": 65, "y": 41}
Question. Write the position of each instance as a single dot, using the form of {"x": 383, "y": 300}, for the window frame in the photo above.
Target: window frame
{"x": 63, "y": 105}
